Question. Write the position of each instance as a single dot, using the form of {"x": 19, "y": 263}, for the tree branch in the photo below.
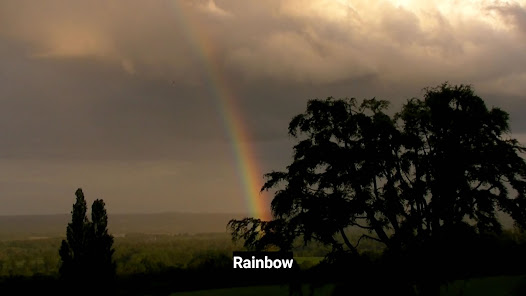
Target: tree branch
{"x": 367, "y": 236}
{"x": 348, "y": 243}
{"x": 361, "y": 226}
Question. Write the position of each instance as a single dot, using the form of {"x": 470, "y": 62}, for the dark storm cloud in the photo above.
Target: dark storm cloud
{"x": 95, "y": 112}
{"x": 118, "y": 95}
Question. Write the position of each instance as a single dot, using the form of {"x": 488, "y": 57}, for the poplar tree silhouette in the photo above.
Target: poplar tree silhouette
{"x": 101, "y": 243}
{"x": 86, "y": 253}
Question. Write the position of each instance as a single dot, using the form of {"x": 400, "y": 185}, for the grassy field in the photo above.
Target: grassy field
{"x": 257, "y": 291}
{"x": 306, "y": 262}
{"x": 174, "y": 252}
{"x": 489, "y": 286}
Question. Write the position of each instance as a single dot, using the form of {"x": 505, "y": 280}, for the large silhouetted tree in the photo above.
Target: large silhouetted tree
{"x": 439, "y": 169}
{"x": 87, "y": 251}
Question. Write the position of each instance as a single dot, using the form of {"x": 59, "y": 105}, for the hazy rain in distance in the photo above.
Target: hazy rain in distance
{"x": 128, "y": 99}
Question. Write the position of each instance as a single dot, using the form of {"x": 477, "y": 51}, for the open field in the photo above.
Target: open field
{"x": 277, "y": 290}
{"x": 488, "y": 286}
{"x": 172, "y": 262}
{"x": 134, "y": 253}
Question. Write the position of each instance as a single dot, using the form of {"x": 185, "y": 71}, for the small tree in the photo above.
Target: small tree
{"x": 87, "y": 251}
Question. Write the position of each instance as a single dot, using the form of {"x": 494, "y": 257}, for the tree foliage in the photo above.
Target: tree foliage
{"x": 86, "y": 253}
{"x": 442, "y": 167}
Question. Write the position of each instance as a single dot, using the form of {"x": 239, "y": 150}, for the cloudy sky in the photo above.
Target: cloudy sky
{"x": 127, "y": 99}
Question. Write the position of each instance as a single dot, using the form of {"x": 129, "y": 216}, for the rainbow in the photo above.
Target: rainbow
{"x": 250, "y": 175}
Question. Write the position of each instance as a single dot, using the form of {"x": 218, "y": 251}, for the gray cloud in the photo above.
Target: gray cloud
{"x": 513, "y": 14}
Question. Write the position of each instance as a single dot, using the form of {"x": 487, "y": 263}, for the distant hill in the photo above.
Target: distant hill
{"x": 39, "y": 226}
{"x": 43, "y": 226}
